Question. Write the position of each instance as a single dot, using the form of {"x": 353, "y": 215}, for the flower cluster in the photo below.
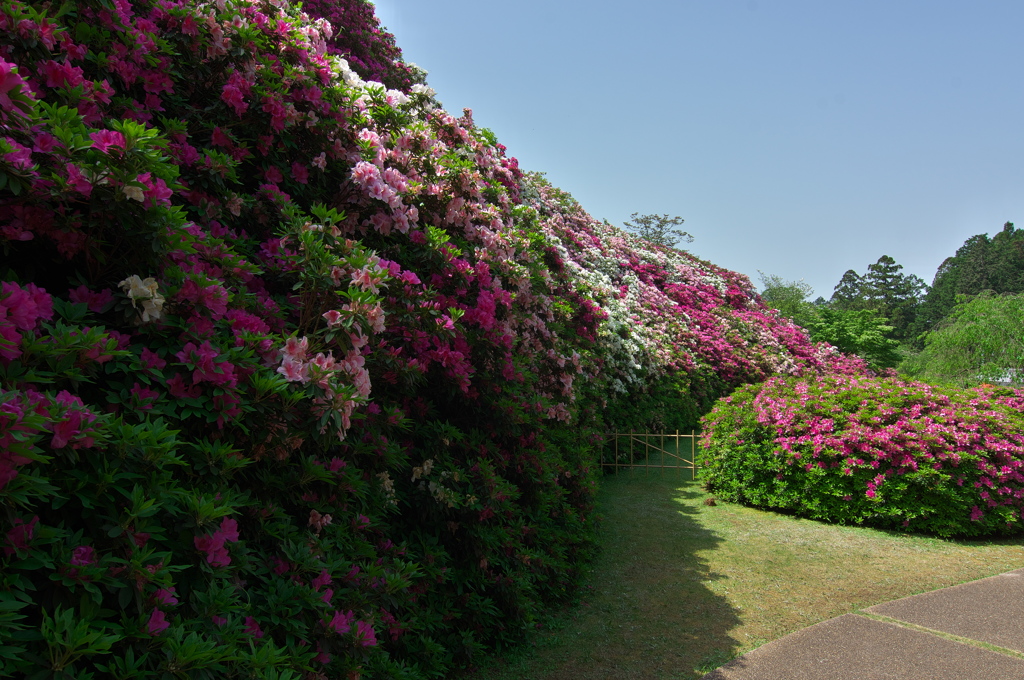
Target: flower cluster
{"x": 214, "y": 544}
{"x": 662, "y": 315}
{"x": 879, "y": 451}
{"x": 356, "y": 35}
{"x": 21, "y": 309}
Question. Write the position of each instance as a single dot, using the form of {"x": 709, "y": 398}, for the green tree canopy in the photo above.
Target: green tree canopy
{"x": 980, "y": 264}
{"x": 886, "y": 290}
{"x": 660, "y": 229}
{"x": 858, "y": 331}
{"x": 982, "y": 340}
{"x": 789, "y": 297}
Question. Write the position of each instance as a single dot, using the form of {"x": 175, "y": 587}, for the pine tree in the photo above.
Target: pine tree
{"x": 894, "y": 295}
{"x": 848, "y": 293}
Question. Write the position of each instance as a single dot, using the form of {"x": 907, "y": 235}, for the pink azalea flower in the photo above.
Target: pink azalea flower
{"x": 19, "y": 158}
{"x": 273, "y": 175}
{"x": 157, "y": 192}
{"x": 293, "y": 370}
{"x": 152, "y": 360}
{"x": 25, "y": 306}
{"x": 102, "y": 140}
{"x": 233, "y": 97}
{"x": 220, "y": 138}
{"x": 83, "y": 556}
{"x": 324, "y": 579}
{"x": 9, "y": 80}
{"x": 253, "y": 628}
{"x": 144, "y": 395}
{"x": 296, "y": 348}
{"x": 229, "y": 530}
{"x": 157, "y": 623}
{"x": 165, "y": 596}
{"x": 19, "y": 537}
{"x": 213, "y": 544}
{"x": 365, "y": 635}
{"x": 44, "y": 143}
{"x": 95, "y": 301}
{"x": 342, "y": 623}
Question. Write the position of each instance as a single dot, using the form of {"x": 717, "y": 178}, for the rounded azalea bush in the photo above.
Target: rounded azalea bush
{"x": 882, "y": 452}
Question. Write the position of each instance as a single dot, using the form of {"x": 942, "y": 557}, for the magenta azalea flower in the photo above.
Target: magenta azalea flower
{"x": 365, "y": 634}
{"x": 10, "y": 81}
{"x": 83, "y": 556}
{"x": 253, "y": 628}
{"x": 102, "y": 140}
{"x": 342, "y": 623}
{"x": 157, "y": 623}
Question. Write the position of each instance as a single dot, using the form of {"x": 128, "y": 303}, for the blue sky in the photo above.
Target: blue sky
{"x": 798, "y": 138}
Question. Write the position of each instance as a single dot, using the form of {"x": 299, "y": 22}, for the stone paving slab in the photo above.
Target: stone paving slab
{"x": 988, "y": 610}
{"x": 852, "y": 647}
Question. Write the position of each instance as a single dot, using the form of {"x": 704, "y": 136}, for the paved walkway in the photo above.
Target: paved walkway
{"x": 971, "y": 631}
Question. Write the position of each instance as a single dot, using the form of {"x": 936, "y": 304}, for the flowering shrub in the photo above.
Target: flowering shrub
{"x": 356, "y": 35}
{"x": 276, "y": 386}
{"x": 298, "y": 376}
{"x": 878, "y": 451}
{"x": 675, "y": 332}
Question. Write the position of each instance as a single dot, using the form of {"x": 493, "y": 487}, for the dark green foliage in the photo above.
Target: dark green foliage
{"x": 847, "y": 293}
{"x": 665, "y": 405}
{"x": 980, "y": 264}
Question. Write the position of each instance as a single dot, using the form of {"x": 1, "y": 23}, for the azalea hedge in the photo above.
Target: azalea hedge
{"x": 283, "y": 393}
{"x": 882, "y": 452}
{"x": 299, "y": 375}
{"x": 676, "y": 332}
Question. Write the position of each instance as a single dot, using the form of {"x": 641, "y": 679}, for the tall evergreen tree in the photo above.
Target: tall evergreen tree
{"x": 894, "y": 295}
{"x": 884, "y": 289}
{"x": 848, "y": 294}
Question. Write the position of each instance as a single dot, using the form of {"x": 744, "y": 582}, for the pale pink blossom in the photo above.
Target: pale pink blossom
{"x": 333, "y": 318}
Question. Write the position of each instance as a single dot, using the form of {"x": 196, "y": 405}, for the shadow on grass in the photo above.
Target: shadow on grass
{"x": 651, "y": 606}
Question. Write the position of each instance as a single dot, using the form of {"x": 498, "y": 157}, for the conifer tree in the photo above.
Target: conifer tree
{"x": 848, "y": 293}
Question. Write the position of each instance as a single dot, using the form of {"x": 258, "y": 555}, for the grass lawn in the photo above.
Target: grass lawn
{"x": 682, "y": 587}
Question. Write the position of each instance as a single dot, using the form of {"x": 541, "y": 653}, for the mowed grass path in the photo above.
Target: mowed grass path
{"x": 682, "y": 587}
